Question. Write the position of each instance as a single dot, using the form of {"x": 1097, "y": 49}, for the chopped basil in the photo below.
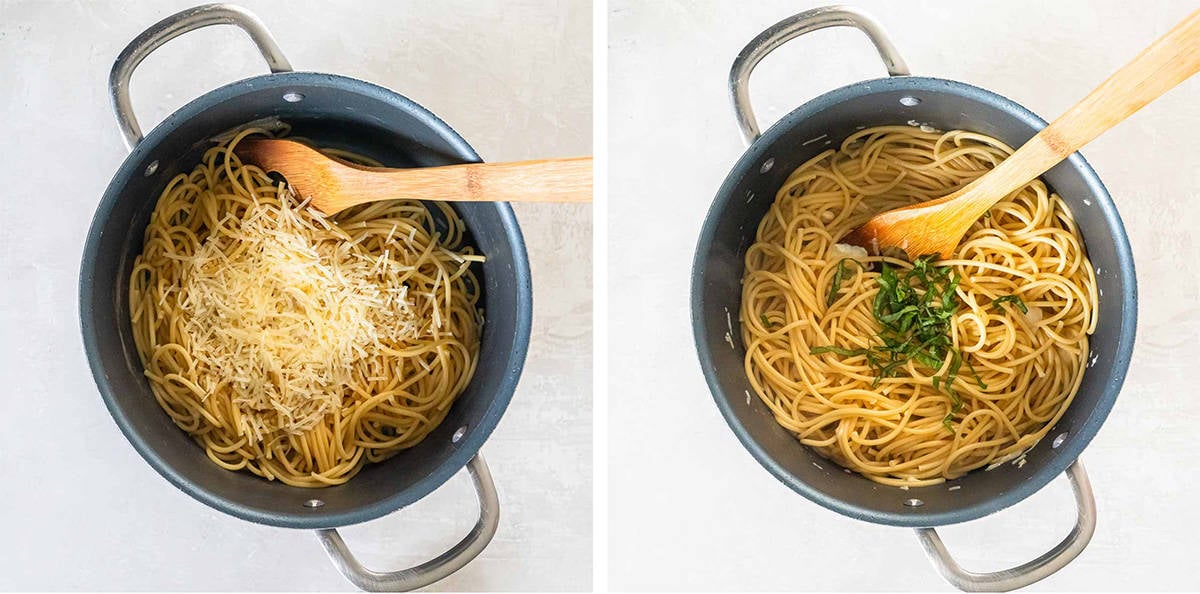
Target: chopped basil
{"x": 915, "y": 309}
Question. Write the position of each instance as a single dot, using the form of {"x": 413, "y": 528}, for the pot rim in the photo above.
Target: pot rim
{"x": 464, "y": 450}
{"x": 1069, "y": 451}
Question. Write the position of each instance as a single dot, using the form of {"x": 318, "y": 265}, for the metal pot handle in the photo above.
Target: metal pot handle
{"x": 170, "y": 28}
{"x": 788, "y": 29}
{"x": 435, "y": 569}
{"x": 1028, "y": 573}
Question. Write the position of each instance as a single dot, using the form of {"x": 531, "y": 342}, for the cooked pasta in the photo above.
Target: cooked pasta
{"x": 848, "y": 376}
{"x": 295, "y": 346}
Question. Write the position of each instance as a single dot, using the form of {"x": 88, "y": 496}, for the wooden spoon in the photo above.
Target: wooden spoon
{"x": 334, "y": 185}
{"x": 937, "y": 226}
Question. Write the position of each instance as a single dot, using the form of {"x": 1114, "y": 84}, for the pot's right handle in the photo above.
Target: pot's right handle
{"x": 170, "y": 28}
{"x": 435, "y": 569}
{"x": 1028, "y": 573}
{"x": 788, "y": 29}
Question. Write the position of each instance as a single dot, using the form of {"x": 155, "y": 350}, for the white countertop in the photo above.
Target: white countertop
{"x": 80, "y": 507}
{"x": 689, "y": 507}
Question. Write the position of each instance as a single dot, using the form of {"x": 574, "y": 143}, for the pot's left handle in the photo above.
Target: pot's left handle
{"x": 791, "y": 28}
{"x": 435, "y": 569}
{"x": 170, "y": 28}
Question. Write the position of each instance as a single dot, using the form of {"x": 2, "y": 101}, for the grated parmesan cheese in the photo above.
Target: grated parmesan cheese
{"x": 281, "y": 309}
{"x": 841, "y": 251}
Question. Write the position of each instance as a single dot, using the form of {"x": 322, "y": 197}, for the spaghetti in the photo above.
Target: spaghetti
{"x": 810, "y": 320}
{"x": 295, "y": 346}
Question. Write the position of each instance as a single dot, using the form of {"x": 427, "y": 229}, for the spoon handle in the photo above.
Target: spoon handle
{"x": 543, "y": 180}
{"x": 1168, "y": 61}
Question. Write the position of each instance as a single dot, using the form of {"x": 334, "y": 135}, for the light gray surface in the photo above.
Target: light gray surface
{"x": 688, "y": 507}
{"x": 81, "y": 509}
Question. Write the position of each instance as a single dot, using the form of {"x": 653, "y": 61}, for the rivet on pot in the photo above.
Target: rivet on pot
{"x": 293, "y": 97}
{"x": 314, "y": 503}
{"x": 914, "y": 502}
{"x": 1059, "y": 440}
{"x": 458, "y": 435}
{"x": 767, "y": 165}
{"x": 151, "y": 168}
{"x": 909, "y": 101}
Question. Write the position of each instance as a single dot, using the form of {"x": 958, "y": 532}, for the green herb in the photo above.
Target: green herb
{"x": 839, "y": 276}
{"x": 914, "y": 309}
{"x": 997, "y": 302}
{"x": 765, "y": 322}
{"x": 948, "y": 422}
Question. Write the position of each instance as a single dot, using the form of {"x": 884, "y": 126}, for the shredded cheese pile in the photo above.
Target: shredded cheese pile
{"x": 295, "y": 346}
{"x": 281, "y": 307}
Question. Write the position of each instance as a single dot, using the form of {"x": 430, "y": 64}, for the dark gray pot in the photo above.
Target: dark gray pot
{"x": 339, "y": 112}
{"x": 730, "y": 228}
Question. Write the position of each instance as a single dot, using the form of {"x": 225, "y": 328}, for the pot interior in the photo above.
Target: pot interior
{"x": 730, "y": 229}
{"x": 336, "y": 112}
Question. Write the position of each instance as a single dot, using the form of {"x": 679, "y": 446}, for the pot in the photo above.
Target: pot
{"x": 730, "y": 228}
{"x": 338, "y": 112}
